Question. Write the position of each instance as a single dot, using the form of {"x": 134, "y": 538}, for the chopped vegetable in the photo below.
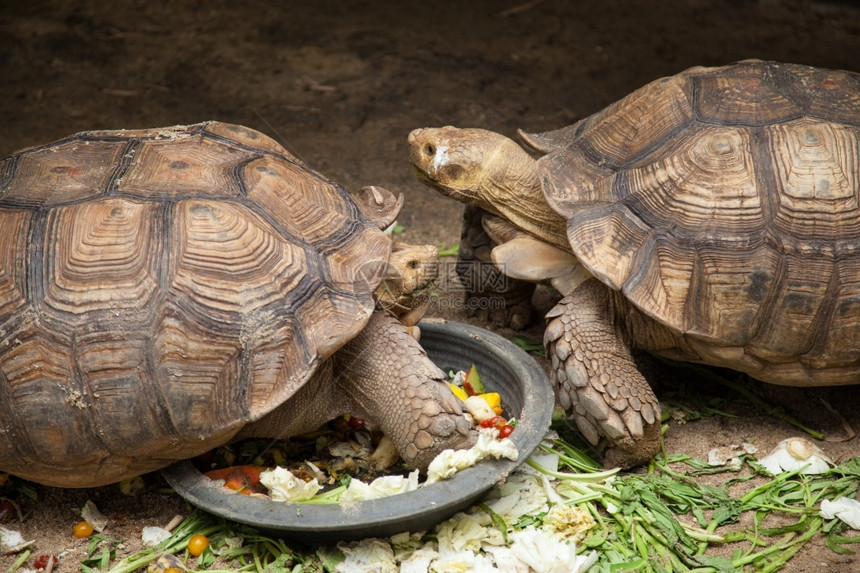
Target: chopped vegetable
{"x": 796, "y": 454}
{"x": 499, "y": 423}
{"x": 197, "y": 544}
{"x": 244, "y": 479}
{"x": 132, "y": 486}
{"x": 90, "y": 513}
{"x": 488, "y": 445}
{"x": 494, "y": 400}
{"x": 339, "y": 459}
{"x": 384, "y": 486}
{"x": 367, "y": 555}
{"x": 451, "y": 251}
{"x": 152, "y": 535}
{"x": 42, "y": 561}
{"x": 845, "y": 508}
{"x": 394, "y": 228}
{"x": 467, "y": 384}
{"x": 384, "y": 456}
{"x": 11, "y": 541}
{"x": 459, "y": 392}
{"x": 531, "y": 346}
{"x": 494, "y": 422}
{"x": 472, "y": 382}
{"x": 548, "y": 552}
{"x": 571, "y": 520}
{"x": 479, "y": 408}
{"x": 83, "y": 530}
{"x": 283, "y": 485}
{"x": 662, "y": 520}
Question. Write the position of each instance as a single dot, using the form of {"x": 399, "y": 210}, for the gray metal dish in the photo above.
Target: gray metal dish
{"x": 504, "y": 368}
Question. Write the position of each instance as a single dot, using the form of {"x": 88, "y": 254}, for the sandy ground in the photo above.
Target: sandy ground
{"x": 341, "y": 84}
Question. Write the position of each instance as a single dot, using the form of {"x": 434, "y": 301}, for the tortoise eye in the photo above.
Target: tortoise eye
{"x": 430, "y": 149}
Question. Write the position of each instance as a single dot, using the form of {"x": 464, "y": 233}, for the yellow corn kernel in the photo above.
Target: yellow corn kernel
{"x": 458, "y": 392}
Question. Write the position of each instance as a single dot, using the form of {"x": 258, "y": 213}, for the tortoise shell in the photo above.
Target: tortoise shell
{"x": 725, "y": 204}
{"x": 192, "y": 277}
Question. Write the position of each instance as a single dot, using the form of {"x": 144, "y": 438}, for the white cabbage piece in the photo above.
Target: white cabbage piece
{"x": 846, "y": 509}
{"x": 793, "y": 453}
{"x": 449, "y": 462}
{"x": 521, "y": 494}
{"x": 367, "y": 556}
{"x": 384, "y": 486}
{"x": 91, "y": 514}
{"x": 419, "y": 560}
{"x": 11, "y": 541}
{"x": 283, "y": 485}
{"x": 548, "y": 552}
{"x": 462, "y": 532}
{"x": 151, "y": 535}
{"x": 462, "y": 562}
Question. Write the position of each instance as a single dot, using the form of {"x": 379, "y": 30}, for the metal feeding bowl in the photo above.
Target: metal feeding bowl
{"x": 504, "y": 368}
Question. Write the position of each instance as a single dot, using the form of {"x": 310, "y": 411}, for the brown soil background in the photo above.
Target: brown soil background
{"x": 341, "y": 84}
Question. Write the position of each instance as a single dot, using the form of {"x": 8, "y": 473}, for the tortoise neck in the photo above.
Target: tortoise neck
{"x": 516, "y": 194}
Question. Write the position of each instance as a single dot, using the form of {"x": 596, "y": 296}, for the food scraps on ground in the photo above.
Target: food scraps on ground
{"x": 82, "y": 530}
{"x": 796, "y": 454}
{"x": 91, "y": 515}
{"x": 152, "y": 535}
{"x": 845, "y": 508}
{"x": 11, "y": 541}
{"x": 197, "y": 545}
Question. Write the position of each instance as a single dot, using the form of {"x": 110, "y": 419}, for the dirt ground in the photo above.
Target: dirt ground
{"x": 341, "y": 84}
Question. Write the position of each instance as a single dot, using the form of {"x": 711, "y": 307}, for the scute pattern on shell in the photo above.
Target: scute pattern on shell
{"x": 725, "y": 204}
{"x": 192, "y": 277}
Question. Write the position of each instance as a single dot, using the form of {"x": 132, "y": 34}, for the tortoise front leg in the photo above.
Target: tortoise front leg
{"x": 382, "y": 374}
{"x": 388, "y": 377}
{"x": 489, "y": 293}
{"x": 596, "y": 380}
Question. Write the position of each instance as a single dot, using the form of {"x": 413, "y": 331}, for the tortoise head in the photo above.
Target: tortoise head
{"x": 488, "y": 170}
{"x": 474, "y": 166}
{"x": 405, "y": 291}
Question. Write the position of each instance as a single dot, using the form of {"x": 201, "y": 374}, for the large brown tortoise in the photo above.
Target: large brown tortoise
{"x": 164, "y": 291}
{"x": 712, "y": 216}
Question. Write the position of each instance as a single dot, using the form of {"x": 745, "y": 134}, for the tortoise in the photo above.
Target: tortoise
{"x": 165, "y": 291}
{"x": 712, "y": 217}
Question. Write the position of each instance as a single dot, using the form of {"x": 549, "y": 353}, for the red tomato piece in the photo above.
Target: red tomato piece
{"x": 42, "y": 561}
